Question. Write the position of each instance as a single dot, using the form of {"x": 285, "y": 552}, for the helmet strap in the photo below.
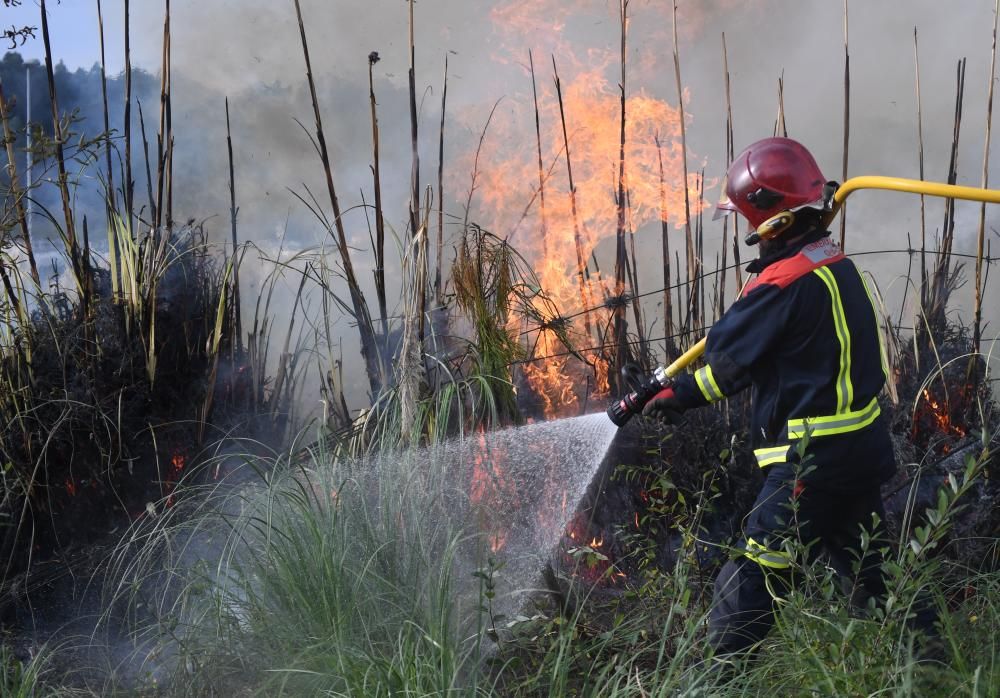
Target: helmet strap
{"x": 771, "y": 228}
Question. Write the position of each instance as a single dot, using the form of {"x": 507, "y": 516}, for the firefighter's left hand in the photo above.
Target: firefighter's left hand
{"x": 664, "y": 406}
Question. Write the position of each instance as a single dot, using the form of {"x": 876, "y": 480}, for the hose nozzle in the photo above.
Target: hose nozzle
{"x": 643, "y": 390}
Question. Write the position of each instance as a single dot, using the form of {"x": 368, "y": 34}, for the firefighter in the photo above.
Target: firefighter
{"x": 804, "y": 336}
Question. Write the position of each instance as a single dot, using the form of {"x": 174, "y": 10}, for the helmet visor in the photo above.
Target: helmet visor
{"x": 725, "y": 205}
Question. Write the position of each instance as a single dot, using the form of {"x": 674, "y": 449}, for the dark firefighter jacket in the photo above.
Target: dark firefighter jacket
{"x": 804, "y": 334}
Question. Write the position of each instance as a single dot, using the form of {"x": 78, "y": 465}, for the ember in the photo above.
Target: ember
{"x": 177, "y": 463}
{"x": 936, "y": 421}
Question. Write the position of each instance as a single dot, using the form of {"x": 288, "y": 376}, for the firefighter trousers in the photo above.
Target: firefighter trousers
{"x": 827, "y": 519}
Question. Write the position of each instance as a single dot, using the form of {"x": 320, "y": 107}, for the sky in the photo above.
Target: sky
{"x": 72, "y": 26}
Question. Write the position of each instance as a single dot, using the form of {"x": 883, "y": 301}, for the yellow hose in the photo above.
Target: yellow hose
{"x": 910, "y": 186}
{"x": 686, "y": 359}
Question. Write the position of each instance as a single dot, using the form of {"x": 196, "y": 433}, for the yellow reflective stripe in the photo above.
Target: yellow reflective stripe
{"x": 878, "y": 328}
{"x": 706, "y": 383}
{"x": 771, "y": 455}
{"x": 845, "y": 389}
{"x": 763, "y": 555}
{"x": 836, "y": 423}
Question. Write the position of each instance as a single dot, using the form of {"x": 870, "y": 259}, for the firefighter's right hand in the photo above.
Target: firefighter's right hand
{"x": 664, "y": 406}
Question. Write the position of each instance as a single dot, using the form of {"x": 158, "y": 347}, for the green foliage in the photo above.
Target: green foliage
{"x": 19, "y": 679}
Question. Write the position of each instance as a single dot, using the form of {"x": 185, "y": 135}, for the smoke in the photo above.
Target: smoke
{"x": 249, "y": 51}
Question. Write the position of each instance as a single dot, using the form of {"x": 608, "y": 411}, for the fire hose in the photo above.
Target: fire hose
{"x": 623, "y": 409}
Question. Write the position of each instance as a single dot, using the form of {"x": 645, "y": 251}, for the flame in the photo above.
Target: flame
{"x": 70, "y": 487}
{"x": 177, "y": 464}
{"x": 595, "y": 569}
{"x": 559, "y": 240}
{"x": 936, "y": 417}
{"x": 941, "y": 416}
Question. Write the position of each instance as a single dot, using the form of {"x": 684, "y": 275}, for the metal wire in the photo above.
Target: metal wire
{"x": 628, "y": 297}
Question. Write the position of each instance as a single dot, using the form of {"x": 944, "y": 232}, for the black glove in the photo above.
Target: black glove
{"x": 664, "y": 406}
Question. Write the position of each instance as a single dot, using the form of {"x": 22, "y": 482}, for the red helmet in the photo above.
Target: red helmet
{"x": 770, "y": 176}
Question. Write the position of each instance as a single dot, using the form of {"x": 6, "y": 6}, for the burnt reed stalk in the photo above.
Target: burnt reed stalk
{"x": 369, "y": 346}
{"x": 582, "y": 275}
{"x": 438, "y": 281}
{"x": 149, "y": 173}
{"x": 541, "y": 167}
{"x": 15, "y": 190}
{"x": 109, "y": 173}
{"x": 72, "y": 245}
{"x": 620, "y": 328}
{"x": 935, "y": 293}
{"x": 920, "y": 162}
{"x": 633, "y": 276}
{"x": 421, "y": 306}
{"x": 978, "y": 312}
{"x": 692, "y": 289}
{"x": 632, "y": 267}
{"x": 948, "y": 228}
{"x": 163, "y": 138}
{"x": 847, "y": 125}
{"x": 373, "y": 58}
{"x": 668, "y": 320}
{"x": 237, "y": 340}
{"x": 730, "y": 151}
{"x": 128, "y": 186}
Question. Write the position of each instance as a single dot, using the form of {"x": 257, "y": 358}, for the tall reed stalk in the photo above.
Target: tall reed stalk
{"x": 668, "y": 321}
{"x": 237, "y": 326}
{"x": 541, "y": 167}
{"x": 421, "y": 307}
{"x": 977, "y": 321}
{"x": 109, "y": 172}
{"x": 582, "y": 272}
{"x": 438, "y": 280}
{"x": 359, "y": 306}
{"x": 920, "y": 163}
{"x": 15, "y": 191}
{"x": 730, "y": 153}
{"x": 689, "y": 240}
{"x": 620, "y": 331}
{"x": 164, "y": 139}
{"x": 128, "y": 186}
{"x": 373, "y": 58}
{"x": 847, "y": 124}
{"x": 69, "y": 231}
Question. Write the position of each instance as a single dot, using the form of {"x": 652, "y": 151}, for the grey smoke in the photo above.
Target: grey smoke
{"x": 248, "y": 50}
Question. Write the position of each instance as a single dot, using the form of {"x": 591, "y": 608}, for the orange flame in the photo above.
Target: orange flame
{"x": 941, "y": 416}
{"x": 558, "y": 238}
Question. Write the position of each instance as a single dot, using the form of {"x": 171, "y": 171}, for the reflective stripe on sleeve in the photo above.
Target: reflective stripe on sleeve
{"x": 771, "y": 455}
{"x": 763, "y": 555}
{"x": 706, "y": 383}
{"x": 845, "y": 389}
{"x": 834, "y": 424}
